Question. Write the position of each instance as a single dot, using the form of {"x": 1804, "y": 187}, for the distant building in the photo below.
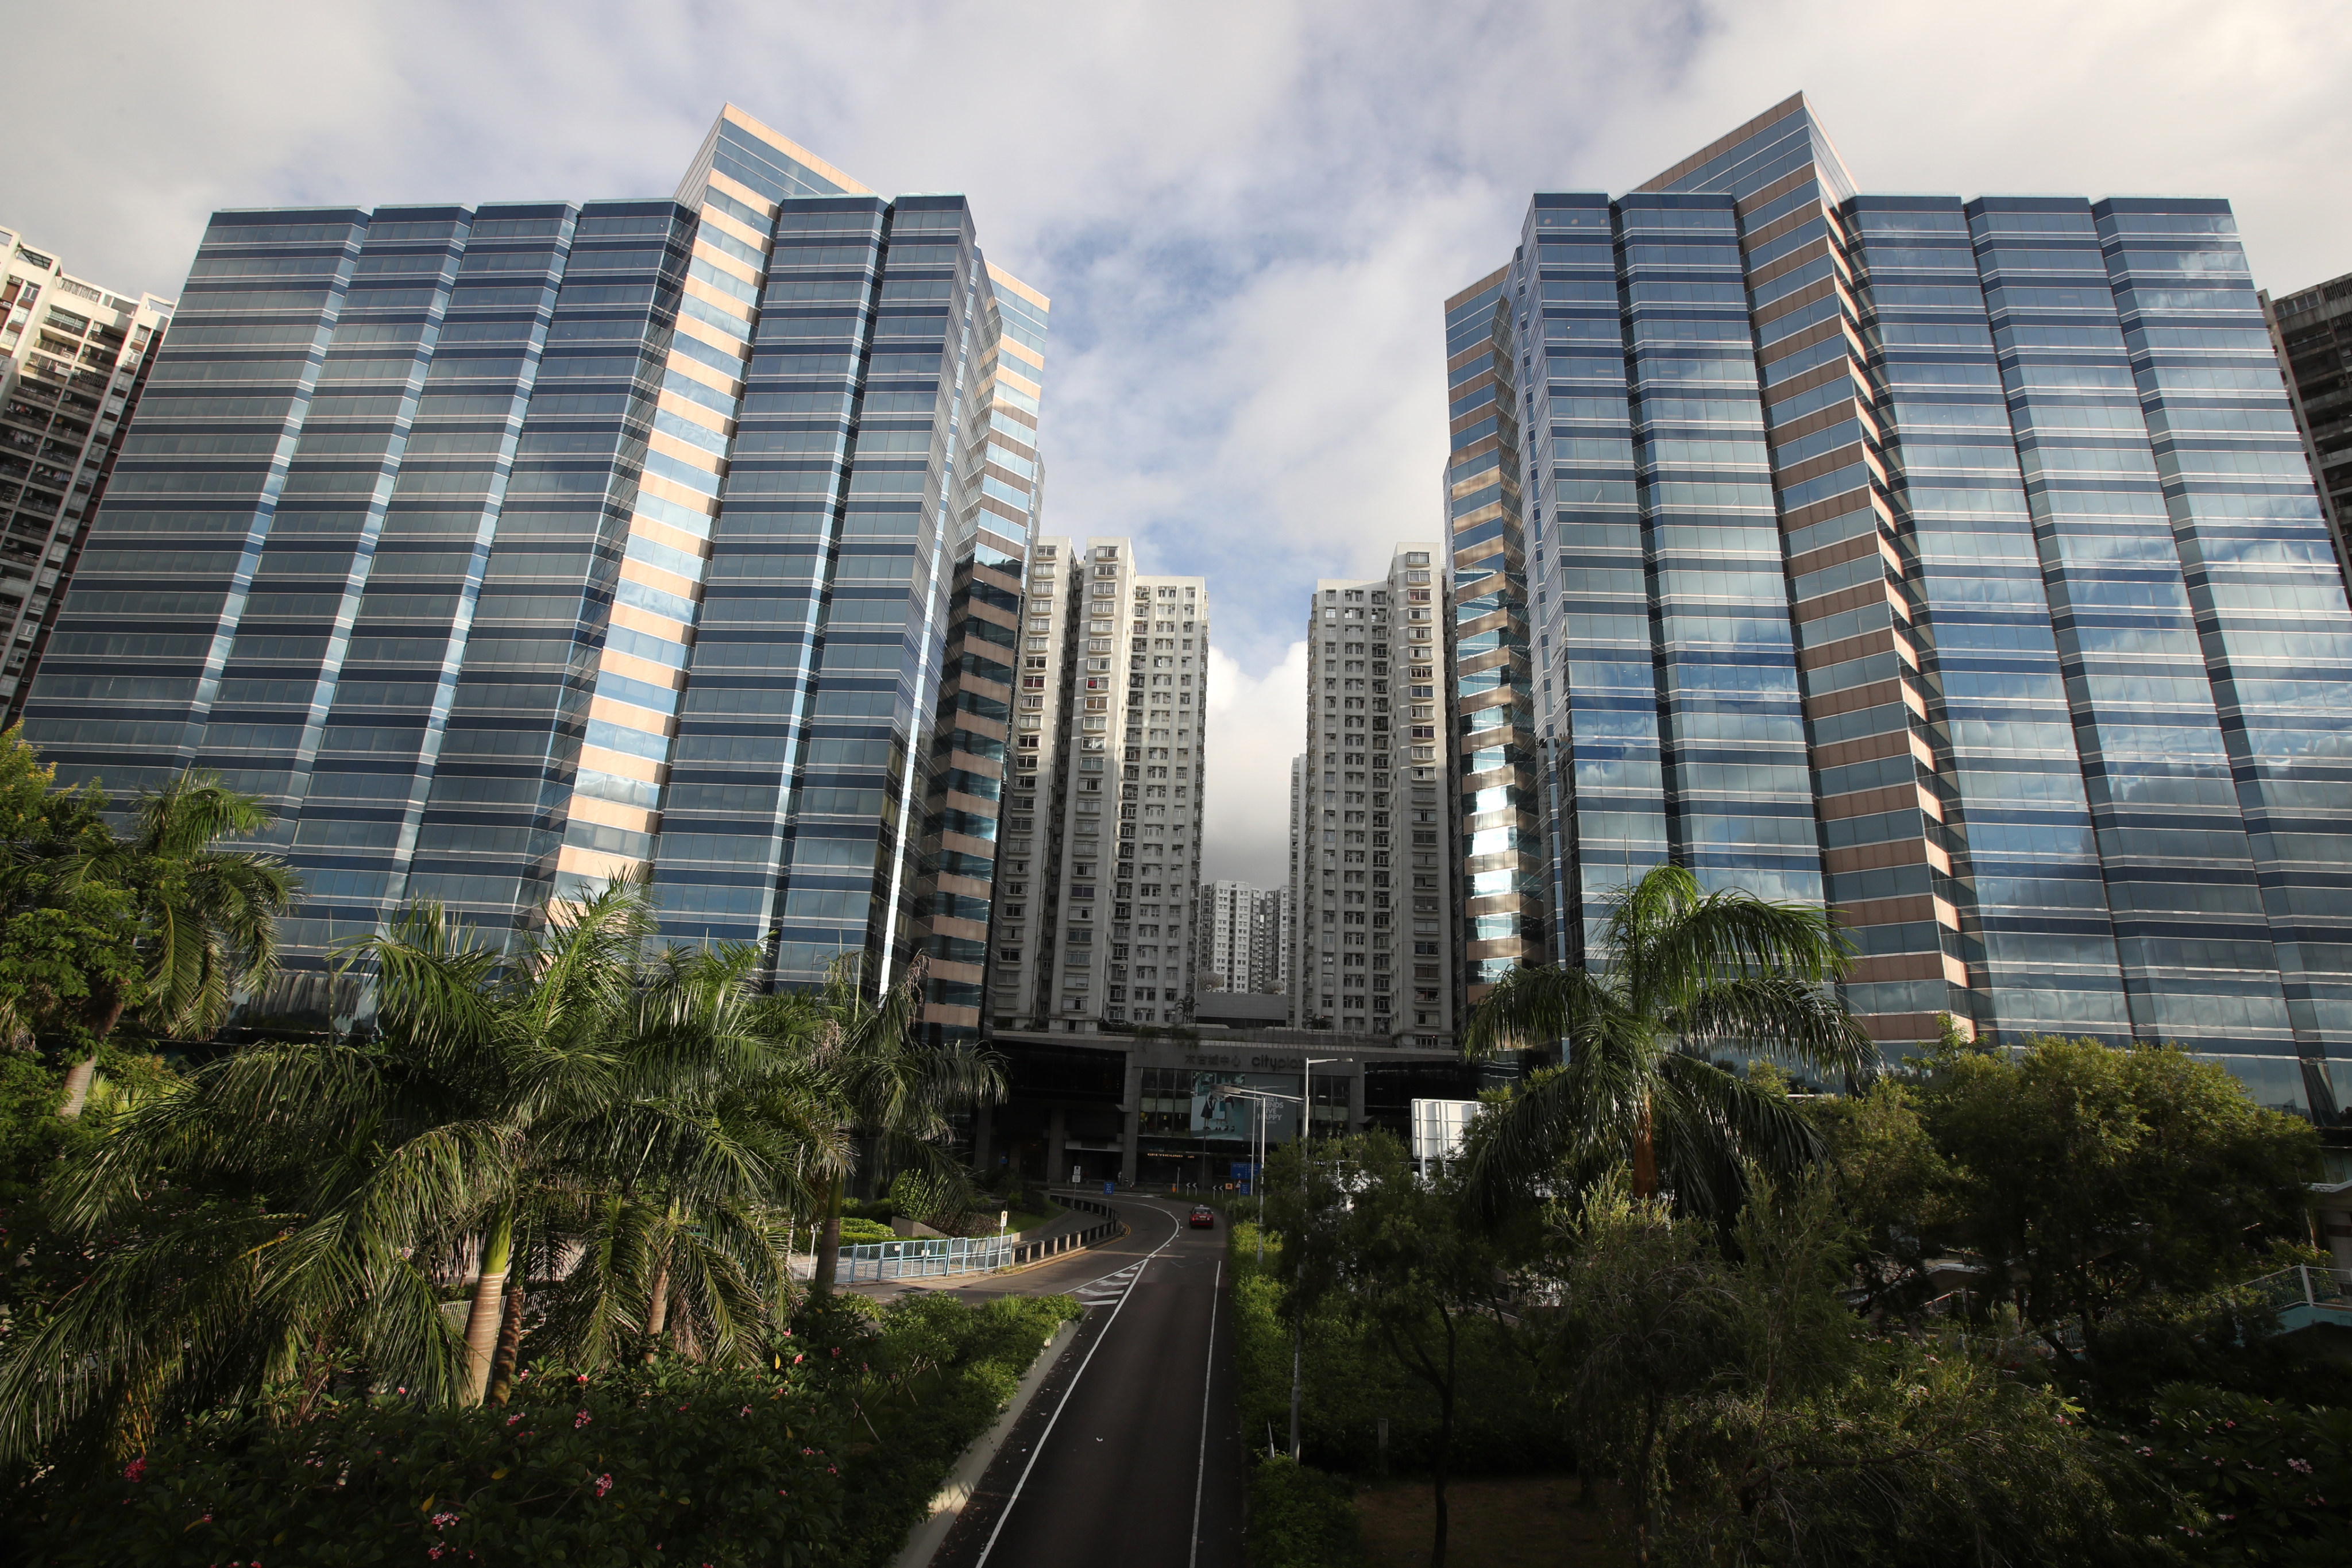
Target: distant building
{"x": 73, "y": 360}
{"x": 1141, "y": 1106}
{"x": 1239, "y": 945}
{"x": 2311, "y": 330}
{"x": 1376, "y": 877}
{"x": 1100, "y": 858}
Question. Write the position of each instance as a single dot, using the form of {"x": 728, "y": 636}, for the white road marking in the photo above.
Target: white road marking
{"x": 1109, "y": 1288}
{"x": 1009, "y": 1502}
{"x": 1201, "y": 1475}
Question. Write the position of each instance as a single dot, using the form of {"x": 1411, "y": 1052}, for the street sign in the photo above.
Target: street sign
{"x": 1439, "y": 1126}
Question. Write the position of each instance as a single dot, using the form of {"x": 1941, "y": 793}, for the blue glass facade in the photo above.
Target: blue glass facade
{"x": 1494, "y": 749}
{"x": 508, "y": 548}
{"x": 1953, "y": 563}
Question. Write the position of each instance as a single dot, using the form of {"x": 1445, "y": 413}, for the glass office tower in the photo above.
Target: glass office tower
{"x": 1953, "y": 563}
{"x": 1494, "y": 743}
{"x": 508, "y": 548}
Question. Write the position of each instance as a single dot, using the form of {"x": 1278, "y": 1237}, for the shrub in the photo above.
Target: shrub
{"x": 919, "y": 1388}
{"x": 694, "y": 1464}
{"x": 1301, "y": 1518}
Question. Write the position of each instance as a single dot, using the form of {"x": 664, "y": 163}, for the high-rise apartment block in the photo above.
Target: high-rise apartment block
{"x": 1239, "y": 939}
{"x": 1100, "y": 864}
{"x": 507, "y": 549}
{"x": 2311, "y": 331}
{"x": 73, "y": 360}
{"x": 1376, "y": 874}
{"x": 1953, "y": 562}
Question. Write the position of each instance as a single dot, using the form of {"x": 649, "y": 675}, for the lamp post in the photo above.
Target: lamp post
{"x": 1257, "y": 1099}
{"x": 1298, "y": 1326}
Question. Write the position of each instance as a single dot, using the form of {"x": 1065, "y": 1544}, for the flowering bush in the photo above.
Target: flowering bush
{"x": 676, "y": 1463}
{"x": 2264, "y": 1481}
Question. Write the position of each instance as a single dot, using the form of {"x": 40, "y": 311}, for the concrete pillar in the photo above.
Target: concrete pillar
{"x": 1131, "y": 1117}
{"x": 1058, "y": 1161}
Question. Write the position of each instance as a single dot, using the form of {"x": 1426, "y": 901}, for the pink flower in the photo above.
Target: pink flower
{"x": 2300, "y": 1466}
{"x": 746, "y": 1410}
{"x": 806, "y": 1452}
{"x": 579, "y": 1421}
{"x": 581, "y": 1378}
{"x": 515, "y": 1417}
{"x": 136, "y": 1470}
{"x": 444, "y": 1520}
{"x": 798, "y": 1359}
{"x": 836, "y": 1349}
{"x": 604, "y": 1485}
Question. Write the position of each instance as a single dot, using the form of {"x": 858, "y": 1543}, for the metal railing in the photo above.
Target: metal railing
{"x": 924, "y": 1257}
{"x": 1070, "y": 1241}
{"x": 2305, "y": 1291}
{"x": 919, "y": 1257}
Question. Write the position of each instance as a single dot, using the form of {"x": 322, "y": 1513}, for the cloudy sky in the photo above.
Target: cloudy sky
{"x": 1247, "y": 215}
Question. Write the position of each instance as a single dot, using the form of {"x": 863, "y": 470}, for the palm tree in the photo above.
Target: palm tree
{"x": 888, "y": 1085}
{"x": 289, "y": 1211}
{"x": 643, "y": 1121}
{"x": 1682, "y": 971}
{"x": 207, "y": 916}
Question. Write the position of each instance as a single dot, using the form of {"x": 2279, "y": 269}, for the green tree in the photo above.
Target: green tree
{"x": 1753, "y": 1420}
{"x": 2087, "y": 1177}
{"x": 1895, "y": 1185}
{"x": 1398, "y": 1258}
{"x": 70, "y": 959}
{"x": 293, "y": 1206}
{"x": 1640, "y": 1329}
{"x": 1682, "y": 971}
{"x": 891, "y": 1091}
{"x": 628, "y": 1112}
{"x": 164, "y": 920}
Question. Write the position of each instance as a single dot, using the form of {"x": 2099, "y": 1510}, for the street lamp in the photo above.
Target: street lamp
{"x": 1298, "y": 1328}
{"x": 1257, "y": 1098}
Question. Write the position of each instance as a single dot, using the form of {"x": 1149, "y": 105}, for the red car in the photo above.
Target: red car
{"x": 1203, "y": 1218}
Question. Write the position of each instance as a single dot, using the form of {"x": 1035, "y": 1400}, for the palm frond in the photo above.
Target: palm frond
{"x": 1783, "y": 1014}
{"x": 1712, "y": 1125}
{"x": 1535, "y": 1008}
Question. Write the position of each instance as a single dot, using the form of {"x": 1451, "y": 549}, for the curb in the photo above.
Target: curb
{"x": 948, "y": 1503}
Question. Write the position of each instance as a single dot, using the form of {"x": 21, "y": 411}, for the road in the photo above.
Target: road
{"x": 1130, "y": 1455}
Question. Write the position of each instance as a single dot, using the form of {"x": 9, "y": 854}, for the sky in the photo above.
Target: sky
{"x": 1248, "y": 216}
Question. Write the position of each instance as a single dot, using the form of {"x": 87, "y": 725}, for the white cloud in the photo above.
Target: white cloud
{"x": 1255, "y": 723}
{"x": 1248, "y": 213}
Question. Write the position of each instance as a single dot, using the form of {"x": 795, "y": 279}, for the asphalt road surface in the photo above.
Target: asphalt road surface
{"x": 1130, "y": 1455}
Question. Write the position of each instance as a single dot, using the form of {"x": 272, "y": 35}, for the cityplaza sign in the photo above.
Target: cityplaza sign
{"x": 1234, "y": 1061}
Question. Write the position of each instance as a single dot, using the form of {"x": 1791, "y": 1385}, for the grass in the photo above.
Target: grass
{"x": 1028, "y": 1219}
{"x": 1527, "y": 1520}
